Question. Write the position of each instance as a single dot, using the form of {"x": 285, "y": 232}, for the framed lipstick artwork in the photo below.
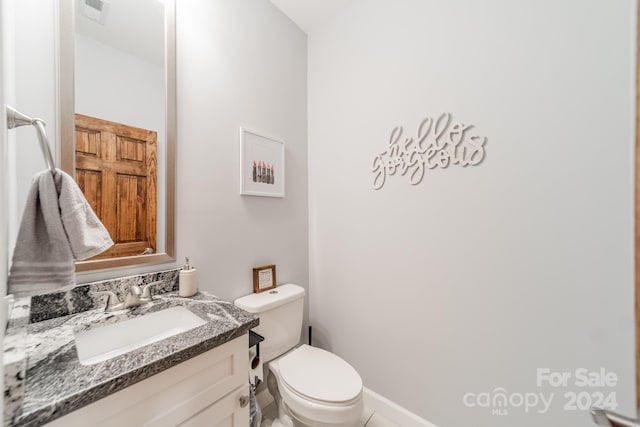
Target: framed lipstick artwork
{"x": 261, "y": 165}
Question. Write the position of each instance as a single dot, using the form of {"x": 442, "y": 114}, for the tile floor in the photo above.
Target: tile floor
{"x": 368, "y": 419}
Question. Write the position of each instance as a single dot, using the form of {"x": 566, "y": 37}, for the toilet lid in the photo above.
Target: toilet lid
{"x": 320, "y": 375}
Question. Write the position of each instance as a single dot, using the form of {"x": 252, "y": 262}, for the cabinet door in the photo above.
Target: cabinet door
{"x": 230, "y": 411}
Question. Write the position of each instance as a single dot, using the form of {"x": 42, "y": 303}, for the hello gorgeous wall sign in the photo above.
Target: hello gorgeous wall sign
{"x": 438, "y": 144}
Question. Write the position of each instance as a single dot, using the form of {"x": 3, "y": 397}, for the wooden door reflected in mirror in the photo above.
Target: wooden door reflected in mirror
{"x": 116, "y": 169}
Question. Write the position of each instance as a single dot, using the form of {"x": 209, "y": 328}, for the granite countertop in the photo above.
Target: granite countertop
{"x": 53, "y": 383}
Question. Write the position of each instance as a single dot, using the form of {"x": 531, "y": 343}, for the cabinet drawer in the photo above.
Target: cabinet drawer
{"x": 172, "y": 396}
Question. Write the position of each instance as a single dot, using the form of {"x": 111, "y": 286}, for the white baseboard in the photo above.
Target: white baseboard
{"x": 392, "y": 411}
{"x": 373, "y": 401}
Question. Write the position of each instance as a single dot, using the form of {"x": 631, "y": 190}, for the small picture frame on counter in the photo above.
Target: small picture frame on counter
{"x": 264, "y": 278}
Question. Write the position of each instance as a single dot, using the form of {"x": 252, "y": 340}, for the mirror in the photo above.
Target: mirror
{"x": 116, "y": 112}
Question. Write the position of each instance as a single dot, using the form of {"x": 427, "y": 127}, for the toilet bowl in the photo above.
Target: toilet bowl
{"x": 311, "y": 387}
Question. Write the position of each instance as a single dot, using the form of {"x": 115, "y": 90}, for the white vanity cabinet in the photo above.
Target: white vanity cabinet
{"x": 208, "y": 390}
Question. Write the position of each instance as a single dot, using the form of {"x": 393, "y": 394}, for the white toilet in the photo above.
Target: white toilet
{"x": 312, "y": 387}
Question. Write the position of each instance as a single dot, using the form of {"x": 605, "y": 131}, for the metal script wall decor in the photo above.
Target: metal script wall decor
{"x": 438, "y": 144}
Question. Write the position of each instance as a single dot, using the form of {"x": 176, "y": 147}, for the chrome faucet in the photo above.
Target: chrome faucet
{"x": 112, "y": 301}
{"x": 132, "y": 299}
{"x": 135, "y": 297}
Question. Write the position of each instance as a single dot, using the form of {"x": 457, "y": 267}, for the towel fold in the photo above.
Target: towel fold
{"x": 58, "y": 227}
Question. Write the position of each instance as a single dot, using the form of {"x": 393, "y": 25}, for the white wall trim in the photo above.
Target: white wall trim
{"x": 373, "y": 401}
{"x": 392, "y": 411}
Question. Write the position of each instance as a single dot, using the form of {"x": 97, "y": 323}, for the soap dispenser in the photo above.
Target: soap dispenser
{"x": 188, "y": 284}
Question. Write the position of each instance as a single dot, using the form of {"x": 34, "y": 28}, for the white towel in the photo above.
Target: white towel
{"x": 58, "y": 227}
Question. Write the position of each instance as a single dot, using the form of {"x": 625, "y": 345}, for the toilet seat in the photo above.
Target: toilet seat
{"x": 315, "y": 413}
{"x": 319, "y": 375}
{"x": 335, "y": 400}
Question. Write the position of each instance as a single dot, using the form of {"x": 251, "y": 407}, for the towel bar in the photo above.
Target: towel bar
{"x": 602, "y": 417}
{"x": 16, "y": 119}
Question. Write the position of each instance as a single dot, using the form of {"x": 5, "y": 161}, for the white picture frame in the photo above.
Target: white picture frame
{"x": 262, "y": 169}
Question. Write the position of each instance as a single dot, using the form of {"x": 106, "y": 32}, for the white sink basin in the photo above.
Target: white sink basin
{"x": 104, "y": 342}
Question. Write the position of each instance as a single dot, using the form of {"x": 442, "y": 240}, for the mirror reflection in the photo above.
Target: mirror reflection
{"x": 120, "y": 120}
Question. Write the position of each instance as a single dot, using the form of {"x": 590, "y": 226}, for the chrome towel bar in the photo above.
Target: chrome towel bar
{"x": 16, "y": 119}
{"x": 605, "y": 418}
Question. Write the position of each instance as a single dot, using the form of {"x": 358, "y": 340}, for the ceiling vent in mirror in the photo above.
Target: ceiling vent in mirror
{"x": 95, "y": 10}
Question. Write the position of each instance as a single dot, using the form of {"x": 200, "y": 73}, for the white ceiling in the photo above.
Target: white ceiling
{"x": 136, "y": 27}
{"x": 310, "y": 14}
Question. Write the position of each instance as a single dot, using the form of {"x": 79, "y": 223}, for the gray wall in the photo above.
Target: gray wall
{"x": 240, "y": 63}
{"x": 476, "y": 277}
{"x": 4, "y": 222}
{"x": 3, "y": 171}
{"x": 30, "y": 76}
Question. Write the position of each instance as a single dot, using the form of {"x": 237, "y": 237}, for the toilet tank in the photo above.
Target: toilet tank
{"x": 280, "y": 311}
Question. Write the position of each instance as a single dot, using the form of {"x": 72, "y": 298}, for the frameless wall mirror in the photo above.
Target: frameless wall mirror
{"x": 116, "y": 111}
